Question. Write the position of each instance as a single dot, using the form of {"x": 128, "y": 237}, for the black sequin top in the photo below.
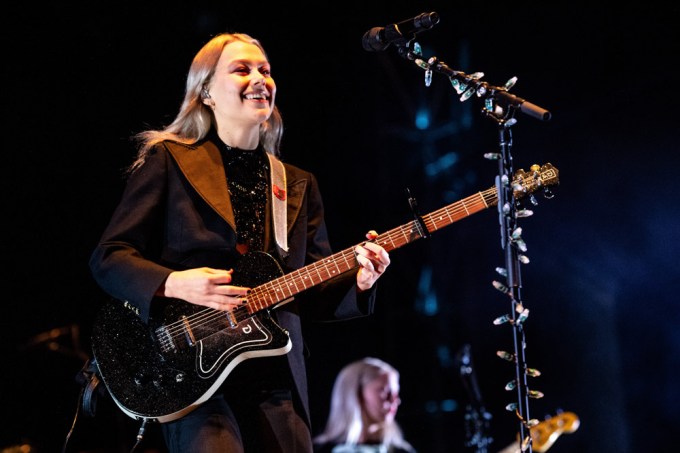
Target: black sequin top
{"x": 247, "y": 172}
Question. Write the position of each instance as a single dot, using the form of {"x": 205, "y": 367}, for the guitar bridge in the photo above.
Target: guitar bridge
{"x": 165, "y": 340}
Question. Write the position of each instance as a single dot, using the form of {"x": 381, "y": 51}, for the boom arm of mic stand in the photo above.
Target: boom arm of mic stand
{"x": 498, "y": 95}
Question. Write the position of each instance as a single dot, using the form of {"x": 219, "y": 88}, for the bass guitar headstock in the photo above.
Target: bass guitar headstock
{"x": 539, "y": 177}
{"x": 546, "y": 432}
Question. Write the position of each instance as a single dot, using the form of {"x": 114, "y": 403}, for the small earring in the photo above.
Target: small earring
{"x": 205, "y": 94}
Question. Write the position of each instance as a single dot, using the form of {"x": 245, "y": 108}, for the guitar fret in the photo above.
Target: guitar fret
{"x": 464, "y": 207}
{"x": 294, "y": 289}
{"x": 348, "y": 266}
{"x": 318, "y": 273}
{"x": 303, "y": 280}
{"x": 406, "y": 236}
{"x": 448, "y": 214}
{"x": 182, "y": 333}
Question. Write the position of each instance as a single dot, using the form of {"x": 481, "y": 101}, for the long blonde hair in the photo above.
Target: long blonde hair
{"x": 345, "y": 423}
{"x": 194, "y": 119}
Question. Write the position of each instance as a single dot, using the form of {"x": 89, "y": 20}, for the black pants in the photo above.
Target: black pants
{"x": 260, "y": 422}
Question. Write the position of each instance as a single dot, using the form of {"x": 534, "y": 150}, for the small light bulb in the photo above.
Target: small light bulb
{"x": 505, "y": 355}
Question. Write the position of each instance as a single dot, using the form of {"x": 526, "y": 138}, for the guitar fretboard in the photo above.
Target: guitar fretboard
{"x": 283, "y": 288}
{"x": 287, "y": 286}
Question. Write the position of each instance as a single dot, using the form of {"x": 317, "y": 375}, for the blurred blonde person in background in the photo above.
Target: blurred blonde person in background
{"x": 364, "y": 405}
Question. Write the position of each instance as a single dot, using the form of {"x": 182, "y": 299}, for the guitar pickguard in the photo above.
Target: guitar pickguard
{"x": 248, "y": 335}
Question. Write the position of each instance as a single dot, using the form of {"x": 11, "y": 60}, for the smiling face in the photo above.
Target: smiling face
{"x": 242, "y": 90}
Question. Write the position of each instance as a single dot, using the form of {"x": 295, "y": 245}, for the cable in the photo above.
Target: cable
{"x": 140, "y": 435}
{"x": 75, "y": 418}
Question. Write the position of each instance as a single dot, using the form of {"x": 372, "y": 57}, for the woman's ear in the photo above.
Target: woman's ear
{"x": 205, "y": 97}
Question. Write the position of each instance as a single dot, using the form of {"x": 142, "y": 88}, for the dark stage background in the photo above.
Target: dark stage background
{"x": 603, "y": 278}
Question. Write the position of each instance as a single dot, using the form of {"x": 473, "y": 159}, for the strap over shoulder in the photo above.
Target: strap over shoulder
{"x": 89, "y": 378}
{"x": 279, "y": 211}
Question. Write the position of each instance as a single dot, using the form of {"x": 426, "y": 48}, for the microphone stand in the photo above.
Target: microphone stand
{"x": 477, "y": 418}
{"x": 500, "y": 106}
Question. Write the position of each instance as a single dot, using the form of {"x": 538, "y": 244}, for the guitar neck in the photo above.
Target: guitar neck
{"x": 287, "y": 286}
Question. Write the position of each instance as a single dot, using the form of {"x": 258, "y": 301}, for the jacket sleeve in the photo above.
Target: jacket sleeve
{"x": 119, "y": 262}
{"x": 338, "y": 298}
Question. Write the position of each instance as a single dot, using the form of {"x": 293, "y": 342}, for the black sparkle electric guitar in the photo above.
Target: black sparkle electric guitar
{"x": 162, "y": 369}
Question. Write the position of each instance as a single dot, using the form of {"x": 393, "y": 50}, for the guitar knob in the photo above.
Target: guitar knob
{"x": 179, "y": 377}
{"x": 141, "y": 378}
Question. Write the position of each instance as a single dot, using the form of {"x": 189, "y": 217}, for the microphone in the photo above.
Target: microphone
{"x": 379, "y": 38}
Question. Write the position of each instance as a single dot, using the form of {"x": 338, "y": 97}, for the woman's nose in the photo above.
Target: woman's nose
{"x": 393, "y": 398}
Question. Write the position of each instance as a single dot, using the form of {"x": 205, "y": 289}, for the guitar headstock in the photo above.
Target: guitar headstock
{"x": 546, "y": 432}
{"x": 538, "y": 177}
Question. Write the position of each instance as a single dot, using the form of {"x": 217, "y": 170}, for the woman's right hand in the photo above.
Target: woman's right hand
{"x": 205, "y": 286}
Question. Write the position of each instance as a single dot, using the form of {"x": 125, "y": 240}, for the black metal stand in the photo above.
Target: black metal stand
{"x": 477, "y": 418}
{"x": 511, "y": 243}
{"x": 500, "y": 106}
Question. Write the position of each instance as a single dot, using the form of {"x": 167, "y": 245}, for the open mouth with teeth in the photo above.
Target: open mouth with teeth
{"x": 261, "y": 96}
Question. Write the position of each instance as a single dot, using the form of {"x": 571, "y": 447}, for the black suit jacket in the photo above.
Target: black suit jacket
{"x": 175, "y": 213}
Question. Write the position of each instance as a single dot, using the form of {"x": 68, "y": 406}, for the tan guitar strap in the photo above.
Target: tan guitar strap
{"x": 279, "y": 197}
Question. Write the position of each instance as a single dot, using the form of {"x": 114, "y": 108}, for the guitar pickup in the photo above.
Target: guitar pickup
{"x": 231, "y": 318}
{"x": 188, "y": 333}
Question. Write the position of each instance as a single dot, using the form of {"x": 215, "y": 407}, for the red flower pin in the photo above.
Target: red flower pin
{"x": 279, "y": 193}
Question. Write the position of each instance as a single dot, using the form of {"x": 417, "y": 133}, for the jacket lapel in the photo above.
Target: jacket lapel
{"x": 202, "y": 165}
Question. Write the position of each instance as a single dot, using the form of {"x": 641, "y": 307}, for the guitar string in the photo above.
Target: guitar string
{"x": 453, "y": 212}
{"x": 266, "y": 290}
{"x": 456, "y": 211}
{"x": 487, "y": 198}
